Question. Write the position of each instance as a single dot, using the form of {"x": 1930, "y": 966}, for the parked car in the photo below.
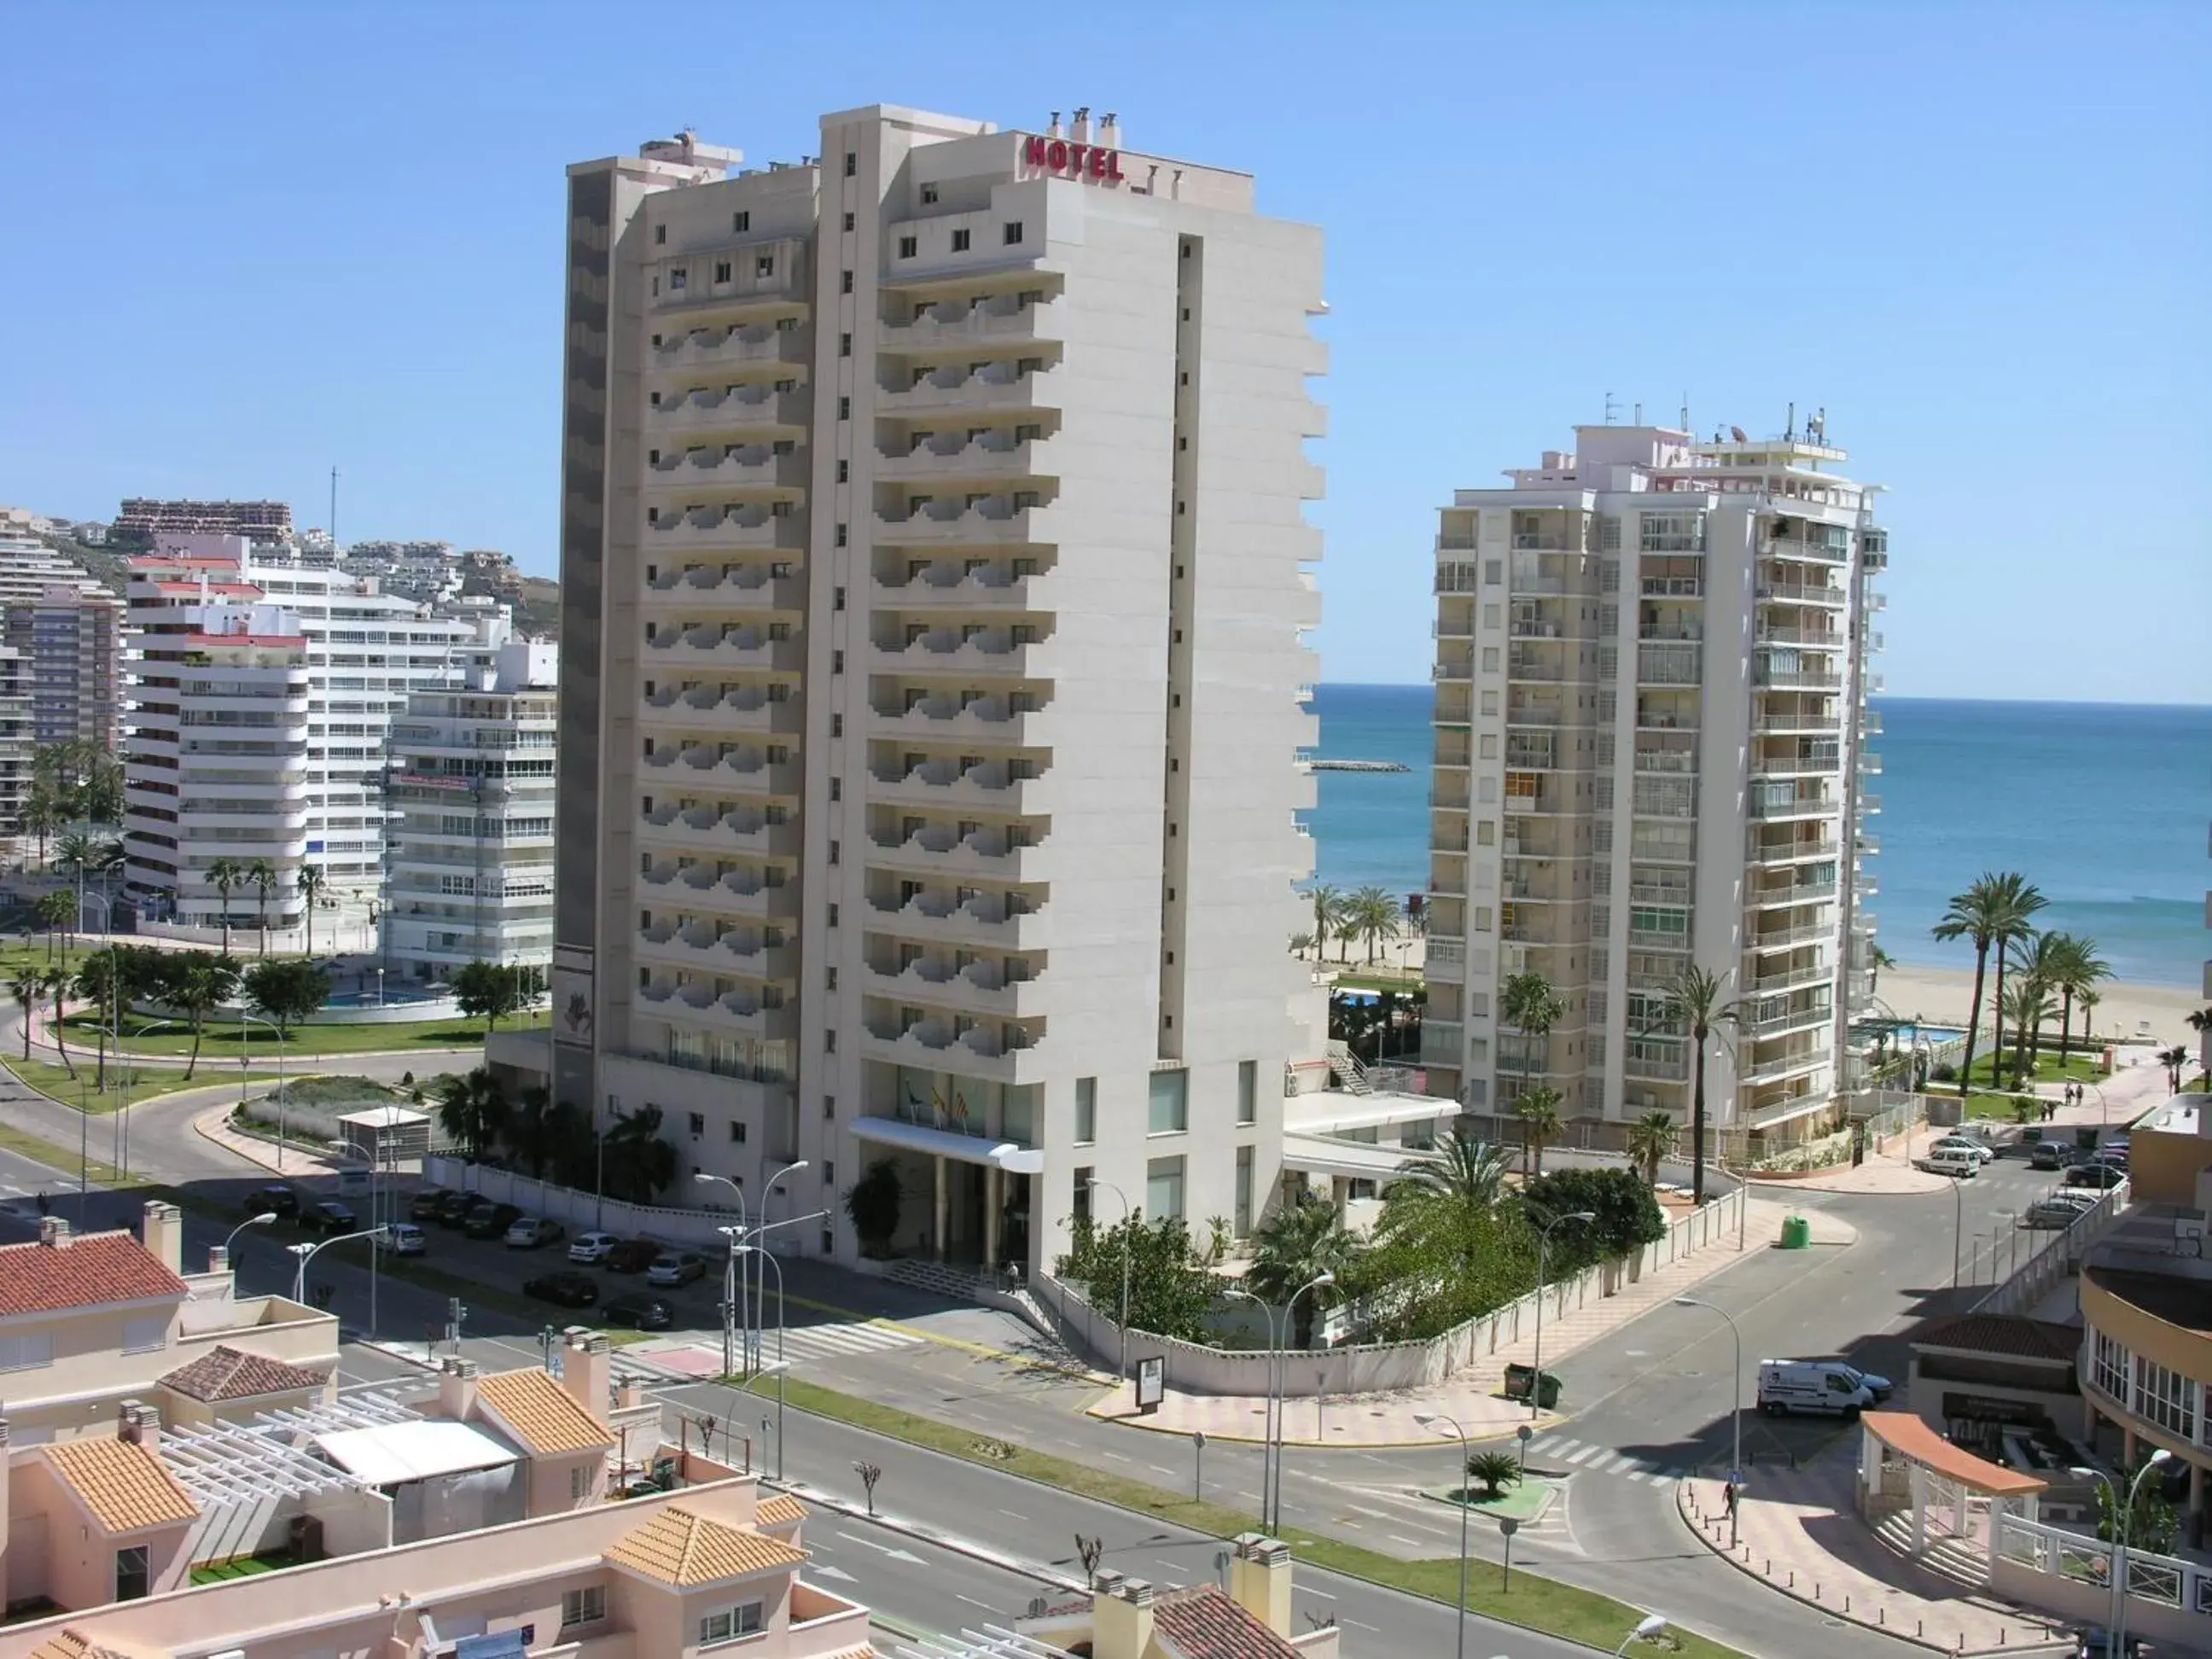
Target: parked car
{"x": 404, "y": 1238}
{"x": 424, "y": 1206}
{"x": 532, "y": 1232}
{"x": 1949, "y": 1161}
{"x": 453, "y": 1208}
{"x": 1967, "y": 1143}
{"x": 563, "y": 1289}
{"x": 276, "y": 1200}
{"x": 329, "y": 1217}
{"x": 676, "y": 1267}
{"x": 2048, "y": 1154}
{"x": 2059, "y": 1210}
{"x": 489, "y": 1220}
{"x": 592, "y": 1248}
{"x": 632, "y": 1255}
{"x": 1812, "y": 1385}
{"x": 2096, "y": 1174}
{"x": 644, "y": 1313}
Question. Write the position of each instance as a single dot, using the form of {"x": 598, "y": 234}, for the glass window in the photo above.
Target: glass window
{"x": 2111, "y": 1367}
{"x": 130, "y": 1574}
{"x": 583, "y": 1606}
{"x": 1170, "y": 1108}
{"x": 1248, "y": 1091}
{"x": 1017, "y": 1114}
{"x": 1163, "y": 1188}
{"x": 2165, "y": 1398}
{"x": 1081, "y": 1207}
{"x": 1086, "y": 1110}
{"x": 1243, "y": 1217}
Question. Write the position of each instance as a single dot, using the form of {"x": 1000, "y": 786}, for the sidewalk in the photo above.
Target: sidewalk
{"x": 298, "y": 1164}
{"x": 1799, "y": 1532}
{"x": 1473, "y": 1396}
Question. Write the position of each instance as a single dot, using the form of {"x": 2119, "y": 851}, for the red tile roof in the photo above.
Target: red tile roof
{"x": 92, "y": 1268}
{"x": 2002, "y": 1333}
{"x": 230, "y": 1374}
{"x": 1203, "y": 1623}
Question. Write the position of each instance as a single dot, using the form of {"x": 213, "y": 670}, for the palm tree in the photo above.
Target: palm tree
{"x": 28, "y": 988}
{"x": 224, "y": 875}
{"x": 204, "y": 984}
{"x": 1529, "y": 1004}
{"x": 1298, "y": 1244}
{"x": 1538, "y": 1108}
{"x": 1876, "y": 963}
{"x": 263, "y": 876}
{"x": 1650, "y": 1141}
{"x": 57, "y": 983}
{"x": 312, "y": 884}
{"x": 2026, "y": 1005}
{"x": 2089, "y": 999}
{"x": 1467, "y": 1172}
{"x": 1693, "y": 1005}
{"x": 471, "y": 1109}
{"x": 1993, "y": 913}
{"x": 58, "y": 910}
{"x": 42, "y": 815}
{"x": 2044, "y": 967}
{"x": 1328, "y": 910}
{"x": 1374, "y": 915}
{"x": 1301, "y": 943}
{"x": 1442, "y": 1200}
{"x": 2173, "y": 1059}
{"x": 2082, "y": 968}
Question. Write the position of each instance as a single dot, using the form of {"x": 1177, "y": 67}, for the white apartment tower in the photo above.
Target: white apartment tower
{"x": 934, "y": 579}
{"x": 473, "y": 835}
{"x": 1651, "y": 680}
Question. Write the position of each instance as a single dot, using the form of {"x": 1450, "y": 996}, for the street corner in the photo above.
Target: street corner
{"x": 1523, "y": 1499}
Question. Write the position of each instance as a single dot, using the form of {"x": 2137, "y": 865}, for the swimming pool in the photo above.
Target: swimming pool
{"x": 1907, "y": 1033}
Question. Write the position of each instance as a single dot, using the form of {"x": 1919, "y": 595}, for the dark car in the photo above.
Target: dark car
{"x": 491, "y": 1220}
{"x": 2050, "y": 1154}
{"x": 2096, "y": 1175}
{"x": 564, "y": 1289}
{"x": 329, "y": 1217}
{"x": 279, "y": 1200}
{"x": 424, "y": 1206}
{"x": 633, "y": 1255}
{"x": 644, "y": 1313}
{"x": 453, "y": 1208}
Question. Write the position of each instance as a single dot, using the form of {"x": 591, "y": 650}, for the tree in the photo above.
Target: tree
{"x": 2151, "y": 1520}
{"x": 869, "y": 1473}
{"x": 28, "y": 988}
{"x": 1327, "y": 911}
{"x": 1170, "y": 1289}
{"x": 42, "y": 816}
{"x": 1459, "y": 1170}
{"x": 1693, "y": 1007}
{"x": 100, "y": 982}
{"x": 1297, "y": 1244}
{"x": 57, "y": 912}
{"x": 2200, "y": 1021}
{"x": 1375, "y": 916}
{"x": 202, "y": 984}
{"x": 1527, "y": 1003}
{"x": 2173, "y": 1059}
{"x": 1301, "y": 943}
{"x": 262, "y": 875}
{"x": 489, "y": 991}
{"x": 225, "y": 875}
{"x": 471, "y": 1109}
{"x": 2081, "y": 969}
{"x": 2027, "y": 1004}
{"x": 640, "y": 1164}
{"x": 530, "y": 1130}
{"x": 872, "y": 1205}
{"x": 1877, "y": 964}
{"x": 1538, "y": 1108}
{"x": 57, "y": 983}
{"x": 1496, "y": 1470}
{"x": 2089, "y": 999}
{"x": 1627, "y": 1216}
{"x": 1993, "y": 914}
{"x": 313, "y": 883}
{"x": 78, "y": 855}
{"x": 288, "y": 992}
{"x": 1650, "y": 1142}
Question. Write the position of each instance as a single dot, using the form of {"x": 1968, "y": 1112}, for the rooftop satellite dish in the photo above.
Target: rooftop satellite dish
{"x": 1736, "y": 433}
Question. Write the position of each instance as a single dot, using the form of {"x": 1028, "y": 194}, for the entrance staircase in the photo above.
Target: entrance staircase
{"x": 1349, "y": 1069}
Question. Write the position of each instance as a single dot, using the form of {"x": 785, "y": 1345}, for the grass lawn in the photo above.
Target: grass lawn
{"x": 2076, "y": 1067}
{"x": 56, "y": 1081}
{"x": 241, "y": 1566}
{"x": 228, "y": 1040}
{"x": 1536, "y": 1603}
{"x": 1523, "y": 1500}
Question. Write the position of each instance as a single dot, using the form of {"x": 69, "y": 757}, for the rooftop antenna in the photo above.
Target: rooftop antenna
{"x": 1638, "y": 418}
{"x": 1790, "y": 431}
{"x": 1611, "y": 409}
{"x": 1684, "y": 422}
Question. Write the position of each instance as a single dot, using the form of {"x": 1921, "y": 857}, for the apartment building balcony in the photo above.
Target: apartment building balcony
{"x": 736, "y": 344}
{"x": 705, "y": 829}
{"x": 1785, "y": 721}
{"x": 749, "y": 408}
{"x": 204, "y": 761}
{"x": 730, "y": 466}
{"x": 1000, "y": 387}
{"x": 1777, "y": 590}
{"x": 1680, "y": 664}
{"x": 1522, "y": 663}
{"x": 1816, "y": 543}
{"x": 732, "y": 528}
{"x": 698, "y": 649}
{"x": 948, "y": 651}
{"x": 1813, "y": 761}
{"x": 1675, "y": 587}
{"x": 1790, "y": 893}
{"x": 1870, "y": 722}
{"x": 953, "y": 458}
{"x": 932, "y": 1044}
{"x": 1785, "y": 1015}
{"x": 1870, "y": 764}
{"x": 1776, "y": 980}
{"x": 946, "y": 715}
{"x": 1787, "y": 1060}
{"x": 1866, "y": 845}
{"x": 1771, "y": 805}
{"x": 706, "y": 947}
{"x": 1648, "y": 1062}
{"x": 994, "y": 787}
{"x": 1651, "y": 717}
{"x": 736, "y": 708}
{"x": 1532, "y": 628}
{"x": 732, "y": 1013}
{"x": 1453, "y": 664}
{"x": 978, "y": 989}
{"x": 730, "y": 893}
{"x": 1820, "y": 638}
{"x": 1870, "y": 806}
{"x": 745, "y": 587}
{"x": 994, "y": 521}
{"x": 1003, "y": 584}
{"x": 1777, "y": 678}
{"x": 998, "y": 921}
{"x": 1673, "y": 763}
{"x": 697, "y": 766}
{"x": 955, "y": 323}
{"x": 1763, "y": 849}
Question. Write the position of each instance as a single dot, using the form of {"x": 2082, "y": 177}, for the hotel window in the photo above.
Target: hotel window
{"x": 959, "y": 241}
{"x": 1168, "y": 1110}
{"x": 131, "y": 1574}
{"x": 851, "y": 162}
{"x": 721, "y": 270}
{"x": 1243, "y": 1220}
{"x": 764, "y": 265}
{"x": 1248, "y": 1091}
{"x": 1163, "y": 1188}
{"x": 1086, "y": 1110}
{"x": 741, "y": 222}
{"x": 2110, "y": 1367}
{"x": 845, "y": 282}
{"x": 929, "y": 196}
{"x": 908, "y": 247}
{"x": 1012, "y": 232}
{"x": 586, "y": 1606}
{"x": 659, "y": 234}
{"x": 676, "y": 280}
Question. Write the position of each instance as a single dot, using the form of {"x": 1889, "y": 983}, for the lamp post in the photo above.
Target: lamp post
{"x": 1736, "y": 1413}
{"x": 1283, "y": 1358}
{"x": 1126, "y": 1213}
{"x": 243, "y": 1060}
{"x": 266, "y": 1218}
{"x": 1268, "y": 1426}
{"x": 1440, "y": 1422}
{"x": 1543, "y": 1239}
{"x": 756, "y": 1249}
{"x": 2122, "y": 1519}
{"x": 759, "y": 1279}
{"x": 1648, "y": 1628}
{"x": 1958, "y": 1225}
{"x": 732, "y": 1283}
{"x": 307, "y": 1253}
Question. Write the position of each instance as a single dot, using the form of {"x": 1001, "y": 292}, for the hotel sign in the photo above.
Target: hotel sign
{"x": 1094, "y": 162}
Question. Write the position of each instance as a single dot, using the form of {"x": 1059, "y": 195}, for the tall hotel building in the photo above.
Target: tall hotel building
{"x": 1651, "y": 679}
{"x": 934, "y": 577}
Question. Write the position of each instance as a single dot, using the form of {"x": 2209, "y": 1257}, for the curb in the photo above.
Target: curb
{"x": 1544, "y": 1425}
{"x": 929, "y": 1535}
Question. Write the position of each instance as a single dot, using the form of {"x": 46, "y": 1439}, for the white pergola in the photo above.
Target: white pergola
{"x": 992, "y": 1641}
{"x": 228, "y": 1463}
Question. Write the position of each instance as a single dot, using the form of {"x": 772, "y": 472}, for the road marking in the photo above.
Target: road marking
{"x": 1013, "y": 1515}
{"x": 1547, "y": 1443}
{"x": 1324, "y": 1594}
{"x": 1586, "y": 1451}
{"x": 972, "y": 1603}
{"x": 885, "y": 1549}
{"x": 1117, "y": 1457}
{"x": 1376, "y": 1513}
{"x": 1159, "y": 1469}
{"x": 1410, "y": 1543}
{"x": 818, "y": 1342}
{"x": 823, "y": 1570}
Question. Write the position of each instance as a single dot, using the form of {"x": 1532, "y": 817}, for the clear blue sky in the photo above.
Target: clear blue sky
{"x": 248, "y": 241}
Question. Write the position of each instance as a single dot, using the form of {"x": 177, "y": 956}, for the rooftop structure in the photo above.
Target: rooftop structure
{"x": 143, "y": 519}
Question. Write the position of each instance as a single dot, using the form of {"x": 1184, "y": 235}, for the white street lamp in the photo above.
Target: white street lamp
{"x": 731, "y": 1285}
{"x": 2122, "y": 1518}
{"x": 1283, "y": 1362}
{"x": 1649, "y": 1629}
{"x": 1126, "y": 1213}
{"x": 1441, "y": 1423}
{"x": 1735, "y": 1412}
{"x": 1543, "y": 1238}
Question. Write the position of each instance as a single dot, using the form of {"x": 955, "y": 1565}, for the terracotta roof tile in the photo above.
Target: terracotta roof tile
{"x": 69, "y": 1644}
{"x": 92, "y": 1268}
{"x": 2004, "y": 1333}
{"x": 225, "y": 1373}
{"x": 126, "y": 1488}
{"x": 541, "y": 1413}
{"x": 781, "y": 1510}
{"x": 685, "y": 1550}
{"x": 1203, "y": 1623}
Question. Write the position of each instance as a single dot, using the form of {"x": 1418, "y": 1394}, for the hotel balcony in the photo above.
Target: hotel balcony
{"x": 946, "y": 715}
{"x": 1760, "y": 849}
{"x": 957, "y": 323}
{"x": 1788, "y": 894}
{"x": 725, "y": 587}
{"x": 790, "y": 274}
{"x": 995, "y": 522}
{"x": 1777, "y": 805}
{"x": 1781, "y": 720}
{"x": 736, "y": 893}
{"x": 738, "y": 343}
{"x": 1789, "y": 1060}
{"x": 1810, "y": 639}
{"x": 1775, "y": 590}
{"x": 696, "y": 766}
{"x": 733, "y": 1014}
{"x": 731, "y": 467}
{"x": 978, "y": 988}
{"x": 1870, "y": 764}
{"x": 696, "y": 650}
{"x": 1812, "y": 761}
{"x": 737, "y": 708}
{"x": 1526, "y": 663}
{"x": 727, "y": 529}
{"x": 953, "y": 458}
{"x": 1000, "y": 387}
{"x": 1652, "y": 718}
{"x": 947, "y": 652}
{"x": 1653, "y": 1064}
{"x": 939, "y": 850}
{"x": 1453, "y": 664}
{"x": 704, "y": 829}
{"x": 1775, "y": 980}
{"x": 937, "y": 1045}
{"x": 989, "y": 919}
{"x": 1870, "y": 806}
{"x": 1677, "y": 763}
{"x": 751, "y": 409}
{"x": 1867, "y": 846}
{"x": 1783, "y": 1015}
{"x": 1776, "y": 676}
{"x": 1813, "y": 544}
{"x": 992, "y": 787}
{"x": 699, "y": 947}
{"x": 999, "y": 584}
{"x": 1669, "y": 665}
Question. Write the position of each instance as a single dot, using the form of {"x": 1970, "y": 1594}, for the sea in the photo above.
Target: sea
{"x": 2104, "y": 806}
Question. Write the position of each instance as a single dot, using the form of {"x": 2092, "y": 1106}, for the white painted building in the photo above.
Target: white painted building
{"x": 471, "y": 868}
{"x": 1651, "y": 680}
{"x": 935, "y": 579}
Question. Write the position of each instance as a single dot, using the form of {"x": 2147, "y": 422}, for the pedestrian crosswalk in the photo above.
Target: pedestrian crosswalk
{"x": 803, "y": 1344}
{"x": 1580, "y": 1455}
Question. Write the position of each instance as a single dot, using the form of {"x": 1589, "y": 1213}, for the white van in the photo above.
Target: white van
{"x": 1817, "y": 1385}
{"x": 1950, "y": 1161}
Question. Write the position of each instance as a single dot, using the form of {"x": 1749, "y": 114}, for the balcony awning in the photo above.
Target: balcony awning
{"x": 1352, "y": 1159}
{"x": 944, "y": 1143}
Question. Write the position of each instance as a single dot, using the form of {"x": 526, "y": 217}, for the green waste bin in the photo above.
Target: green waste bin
{"x": 1796, "y": 1233}
{"x": 1518, "y": 1379}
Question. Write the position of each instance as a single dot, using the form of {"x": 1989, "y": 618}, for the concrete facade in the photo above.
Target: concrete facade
{"x": 74, "y": 641}
{"x": 1651, "y": 683}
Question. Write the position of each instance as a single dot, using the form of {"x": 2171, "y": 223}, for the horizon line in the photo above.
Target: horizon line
{"x": 1884, "y": 696}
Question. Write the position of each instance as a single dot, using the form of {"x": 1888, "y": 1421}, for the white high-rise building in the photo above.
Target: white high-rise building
{"x": 472, "y": 838}
{"x": 1651, "y": 680}
{"x": 935, "y": 576}
{"x": 365, "y": 651}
